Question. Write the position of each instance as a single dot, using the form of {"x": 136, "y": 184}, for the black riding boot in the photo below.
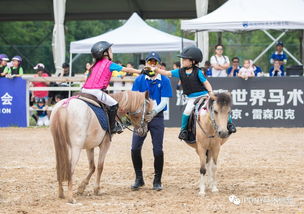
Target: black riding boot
{"x": 231, "y": 127}
{"x": 183, "y": 135}
{"x": 137, "y": 164}
{"x": 114, "y": 126}
{"x": 158, "y": 168}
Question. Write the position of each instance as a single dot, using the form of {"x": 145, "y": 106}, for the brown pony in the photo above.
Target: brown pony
{"x": 74, "y": 127}
{"x": 211, "y": 133}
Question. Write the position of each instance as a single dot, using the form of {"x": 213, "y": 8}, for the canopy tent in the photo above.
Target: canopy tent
{"x": 135, "y": 36}
{"x": 241, "y": 15}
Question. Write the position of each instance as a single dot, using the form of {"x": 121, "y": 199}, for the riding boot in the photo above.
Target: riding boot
{"x": 137, "y": 164}
{"x": 114, "y": 126}
{"x": 231, "y": 127}
{"x": 158, "y": 169}
{"x": 183, "y": 135}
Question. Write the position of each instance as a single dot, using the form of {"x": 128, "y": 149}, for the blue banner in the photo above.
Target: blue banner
{"x": 13, "y": 102}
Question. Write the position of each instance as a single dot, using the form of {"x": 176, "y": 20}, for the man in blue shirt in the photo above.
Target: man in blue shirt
{"x": 279, "y": 55}
{"x": 233, "y": 70}
{"x": 160, "y": 90}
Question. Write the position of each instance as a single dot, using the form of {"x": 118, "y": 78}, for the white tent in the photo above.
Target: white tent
{"x": 135, "y": 36}
{"x": 246, "y": 15}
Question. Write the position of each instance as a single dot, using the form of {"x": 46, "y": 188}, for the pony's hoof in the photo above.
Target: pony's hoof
{"x": 96, "y": 191}
{"x": 80, "y": 190}
{"x": 72, "y": 201}
{"x": 202, "y": 193}
{"x": 61, "y": 196}
{"x": 214, "y": 189}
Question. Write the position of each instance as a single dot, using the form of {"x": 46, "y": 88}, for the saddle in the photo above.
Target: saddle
{"x": 194, "y": 116}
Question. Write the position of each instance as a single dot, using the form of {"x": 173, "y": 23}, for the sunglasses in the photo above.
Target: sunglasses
{"x": 152, "y": 62}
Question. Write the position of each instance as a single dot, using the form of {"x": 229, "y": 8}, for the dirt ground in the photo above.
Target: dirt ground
{"x": 263, "y": 168}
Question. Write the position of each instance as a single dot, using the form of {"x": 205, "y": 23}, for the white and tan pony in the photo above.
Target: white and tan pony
{"x": 74, "y": 127}
{"x": 211, "y": 133}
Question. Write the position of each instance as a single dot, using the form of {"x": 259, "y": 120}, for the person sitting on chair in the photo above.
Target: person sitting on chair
{"x": 99, "y": 78}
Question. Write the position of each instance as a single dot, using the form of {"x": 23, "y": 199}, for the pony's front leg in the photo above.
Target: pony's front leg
{"x": 213, "y": 166}
{"x": 202, "y": 155}
{"x": 75, "y": 152}
{"x": 60, "y": 189}
{"x": 85, "y": 182}
{"x": 103, "y": 149}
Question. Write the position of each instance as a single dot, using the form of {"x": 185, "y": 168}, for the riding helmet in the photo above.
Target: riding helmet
{"x": 192, "y": 53}
{"x": 18, "y": 58}
{"x": 99, "y": 48}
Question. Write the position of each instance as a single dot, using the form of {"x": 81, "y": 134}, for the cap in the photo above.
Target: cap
{"x": 153, "y": 55}
{"x": 39, "y": 65}
{"x": 18, "y": 58}
{"x": 280, "y": 43}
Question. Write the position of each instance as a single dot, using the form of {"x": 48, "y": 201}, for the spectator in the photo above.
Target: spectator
{"x": 219, "y": 62}
{"x": 40, "y": 94}
{"x": 16, "y": 69}
{"x": 257, "y": 71}
{"x": 65, "y": 72}
{"x": 4, "y": 69}
{"x": 87, "y": 70}
{"x": 141, "y": 65}
{"x": 247, "y": 70}
{"x": 279, "y": 55}
{"x": 41, "y": 107}
{"x": 58, "y": 97}
{"x": 163, "y": 66}
{"x": 233, "y": 70}
{"x": 131, "y": 65}
{"x": 275, "y": 70}
{"x": 176, "y": 65}
{"x": 207, "y": 69}
{"x": 42, "y": 67}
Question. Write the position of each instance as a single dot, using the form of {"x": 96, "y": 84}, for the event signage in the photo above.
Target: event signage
{"x": 257, "y": 102}
{"x": 13, "y": 102}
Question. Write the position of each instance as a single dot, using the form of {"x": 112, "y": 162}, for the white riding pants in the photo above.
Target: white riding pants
{"x": 102, "y": 96}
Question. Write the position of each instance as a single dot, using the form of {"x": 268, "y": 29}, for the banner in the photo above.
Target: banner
{"x": 257, "y": 102}
{"x": 13, "y": 109}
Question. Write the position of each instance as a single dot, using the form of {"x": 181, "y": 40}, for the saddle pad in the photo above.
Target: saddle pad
{"x": 100, "y": 114}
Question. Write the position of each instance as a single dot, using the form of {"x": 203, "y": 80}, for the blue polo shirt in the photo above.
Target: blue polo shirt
{"x": 158, "y": 88}
{"x": 209, "y": 72}
{"x": 257, "y": 71}
{"x": 235, "y": 72}
{"x": 279, "y": 56}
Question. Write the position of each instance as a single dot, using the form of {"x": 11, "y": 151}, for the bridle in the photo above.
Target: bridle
{"x": 213, "y": 123}
{"x": 141, "y": 110}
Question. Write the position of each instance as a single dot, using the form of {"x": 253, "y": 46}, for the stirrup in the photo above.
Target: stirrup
{"x": 118, "y": 128}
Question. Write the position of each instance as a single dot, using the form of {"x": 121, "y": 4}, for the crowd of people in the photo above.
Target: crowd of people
{"x": 220, "y": 66}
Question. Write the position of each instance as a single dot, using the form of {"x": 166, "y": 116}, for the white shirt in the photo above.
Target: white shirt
{"x": 216, "y": 60}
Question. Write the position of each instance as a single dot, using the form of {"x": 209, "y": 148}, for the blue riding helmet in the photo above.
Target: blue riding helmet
{"x": 4, "y": 57}
{"x": 153, "y": 55}
{"x": 18, "y": 58}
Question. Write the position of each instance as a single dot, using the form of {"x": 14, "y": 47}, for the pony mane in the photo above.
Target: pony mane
{"x": 131, "y": 100}
{"x": 222, "y": 99}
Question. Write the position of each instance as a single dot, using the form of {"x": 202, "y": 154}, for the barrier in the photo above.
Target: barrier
{"x": 257, "y": 102}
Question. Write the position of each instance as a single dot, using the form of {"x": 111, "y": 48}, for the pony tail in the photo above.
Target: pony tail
{"x": 61, "y": 139}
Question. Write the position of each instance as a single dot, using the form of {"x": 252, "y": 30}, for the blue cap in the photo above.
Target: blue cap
{"x": 153, "y": 55}
{"x": 4, "y": 57}
{"x": 280, "y": 43}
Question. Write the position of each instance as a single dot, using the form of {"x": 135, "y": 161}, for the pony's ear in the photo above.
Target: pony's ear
{"x": 147, "y": 95}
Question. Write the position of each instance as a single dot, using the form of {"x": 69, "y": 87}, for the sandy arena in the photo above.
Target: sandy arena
{"x": 262, "y": 167}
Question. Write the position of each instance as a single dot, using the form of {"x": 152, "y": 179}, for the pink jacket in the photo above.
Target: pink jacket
{"x": 100, "y": 75}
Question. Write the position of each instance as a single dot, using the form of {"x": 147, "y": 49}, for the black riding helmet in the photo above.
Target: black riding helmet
{"x": 192, "y": 53}
{"x": 99, "y": 48}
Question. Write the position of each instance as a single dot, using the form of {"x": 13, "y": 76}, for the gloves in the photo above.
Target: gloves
{"x": 150, "y": 116}
{"x": 211, "y": 95}
{"x": 148, "y": 71}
